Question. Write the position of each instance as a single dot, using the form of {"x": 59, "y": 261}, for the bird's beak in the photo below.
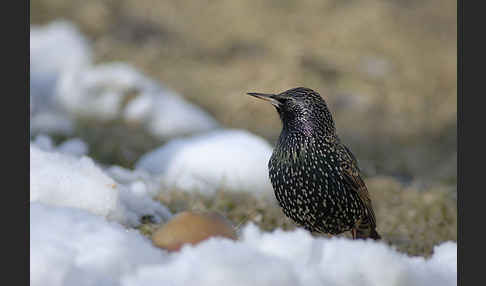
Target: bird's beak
{"x": 267, "y": 97}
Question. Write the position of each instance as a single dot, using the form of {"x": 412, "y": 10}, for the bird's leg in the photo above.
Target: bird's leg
{"x": 353, "y": 232}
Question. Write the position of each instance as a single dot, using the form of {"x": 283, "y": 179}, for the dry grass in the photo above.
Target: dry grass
{"x": 412, "y": 220}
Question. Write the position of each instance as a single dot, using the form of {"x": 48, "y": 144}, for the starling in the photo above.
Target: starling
{"x": 315, "y": 177}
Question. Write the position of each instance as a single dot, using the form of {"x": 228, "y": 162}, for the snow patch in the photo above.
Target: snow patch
{"x": 64, "y": 180}
{"x": 48, "y": 61}
{"x": 233, "y": 160}
{"x": 73, "y": 247}
{"x": 66, "y": 86}
{"x": 297, "y": 258}
{"x": 73, "y": 146}
{"x": 118, "y": 91}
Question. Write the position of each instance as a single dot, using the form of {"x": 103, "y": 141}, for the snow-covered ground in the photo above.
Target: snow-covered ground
{"x": 79, "y": 214}
{"x": 73, "y": 146}
{"x": 83, "y": 214}
{"x": 62, "y": 179}
{"x": 73, "y": 247}
{"x": 232, "y": 160}
{"x": 69, "y": 246}
{"x": 66, "y": 86}
{"x": 118, "y": 91}
{"x": 55, "y": 49}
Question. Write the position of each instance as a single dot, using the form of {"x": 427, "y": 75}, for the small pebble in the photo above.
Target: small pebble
{"x": 192, "y": 228}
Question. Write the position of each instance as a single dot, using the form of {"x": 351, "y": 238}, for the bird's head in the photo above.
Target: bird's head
{"x": 301, "y": 109}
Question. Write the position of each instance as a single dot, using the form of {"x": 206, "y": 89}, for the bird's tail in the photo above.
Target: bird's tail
{"x": 367, "y": 233}
{"x": 365, "y": 229}
{"x": 374, "y": 234}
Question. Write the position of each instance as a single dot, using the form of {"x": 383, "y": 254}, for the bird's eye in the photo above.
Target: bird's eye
{"x": 288, "y": 99}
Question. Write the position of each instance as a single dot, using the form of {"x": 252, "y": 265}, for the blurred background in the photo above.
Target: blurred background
{"x": 387, "y": 69}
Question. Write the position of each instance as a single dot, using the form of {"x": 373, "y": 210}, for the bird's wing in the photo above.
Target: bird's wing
{"x": 353, "y": 179}
{"x": 351, "y": 155}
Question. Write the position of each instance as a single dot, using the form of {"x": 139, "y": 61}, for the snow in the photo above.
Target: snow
{"x": 99, "y": 91}
{"x": 50, "y": 122}
{"x": 55, "y": 49}
{"x": 65, "y": 180}
{"x": 233, "y": 160}
{"x": 114, "y": 91}
{"x": 74, "y": 247}
{"x": 141, "y": 182}
{"x": 66, "y": 86}
{"x": 43, "y": 142}
{"x": 72, "y": 146}
{"x": 172, "y": 116}
{"x": 79, "y": 214}
{"x": 296, "y": 258}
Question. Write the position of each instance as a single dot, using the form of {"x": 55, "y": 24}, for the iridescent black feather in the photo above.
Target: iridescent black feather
{"x": 315, "y": 177}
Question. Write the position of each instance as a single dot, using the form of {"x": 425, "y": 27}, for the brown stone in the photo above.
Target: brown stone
{"x": 192, "y": 227}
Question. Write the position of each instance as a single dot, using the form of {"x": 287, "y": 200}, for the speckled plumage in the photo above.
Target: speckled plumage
{"x": 315, "y": 177}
